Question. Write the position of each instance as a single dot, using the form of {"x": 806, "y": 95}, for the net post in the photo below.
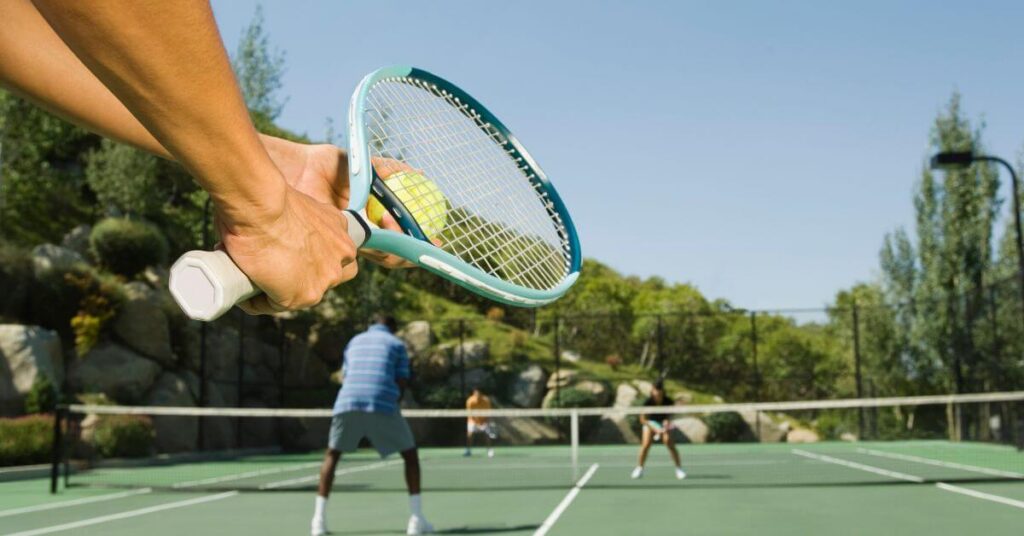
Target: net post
{"x": 57, "y": 450}
{"x": 574, "y": 426}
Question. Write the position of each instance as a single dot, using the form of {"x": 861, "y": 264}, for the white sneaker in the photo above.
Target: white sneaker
{"x": 637, "y": 473}
{"x": 419, "y": 525}
{"x": 680, "y": 474}
{"x": 319, "y": 526}
{"x": 490, "y": 453}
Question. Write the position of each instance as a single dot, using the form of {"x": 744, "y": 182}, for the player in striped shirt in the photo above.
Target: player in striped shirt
{"x": 375, "y": 372}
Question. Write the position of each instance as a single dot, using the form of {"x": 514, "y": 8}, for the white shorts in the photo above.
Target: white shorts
{"x": 486, "y": 428}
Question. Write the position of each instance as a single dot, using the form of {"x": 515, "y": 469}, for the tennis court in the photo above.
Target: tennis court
{"x": 907, "y": 487}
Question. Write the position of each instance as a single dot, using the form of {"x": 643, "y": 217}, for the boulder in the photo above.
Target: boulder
{"x": 218, "y": 432}
{"x": 570, "y": 356}
{"x": 526, "y": 431}
{"x": 644, "y": 387}
{"x": 848, "y": 437}
{"x": 689, "y": 430}
{"x": 417, "y": 336}
{"x": 303, "y": 370}
{"x": 562, "y": 378}
{"x": 26, "y": 354}
{"x": 600, "y": 391}
{"x": 617, "y": 427}
{"x": 764, "y": 427}
{"x": 173, "y": 434}
{"x": 141, "y": 324}
{"x": 77, "y": 240}
{"x": 802, "y": 435}
{"x": 114, "y": 370}
{"x": 472, "y": 353}
{"x": 50, "y": 257}
{"x": 431, "y": 367}
{"x": 528, "y": 388}
{"x": 478, "y": 377}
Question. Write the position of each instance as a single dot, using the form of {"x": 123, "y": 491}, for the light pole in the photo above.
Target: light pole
{"x": 963, "y": 159}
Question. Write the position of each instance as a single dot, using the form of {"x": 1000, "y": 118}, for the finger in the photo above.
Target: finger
{"x": 261, "y": 305}
{"x": 386, "y": 260}
{"x": 349, "y": 271}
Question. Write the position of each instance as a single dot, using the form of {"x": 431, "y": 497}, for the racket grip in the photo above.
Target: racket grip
{"x": 207, "y": 284}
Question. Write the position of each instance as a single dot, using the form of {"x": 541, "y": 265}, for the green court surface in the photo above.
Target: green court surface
{"x": 932, "y": 488}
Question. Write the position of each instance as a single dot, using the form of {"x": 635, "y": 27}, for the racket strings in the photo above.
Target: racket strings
{"x": 500, "y": 220}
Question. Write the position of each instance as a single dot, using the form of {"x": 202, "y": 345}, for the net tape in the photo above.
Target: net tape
{"x": 846, "y": 403}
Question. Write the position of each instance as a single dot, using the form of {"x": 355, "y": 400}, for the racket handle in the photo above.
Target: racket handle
{"x": 207, "y": 284}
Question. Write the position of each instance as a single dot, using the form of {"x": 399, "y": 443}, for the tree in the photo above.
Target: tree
{"x": 259, "y": 70}
{"x": 944, "y": 276}
{"x": 124, "y": 180}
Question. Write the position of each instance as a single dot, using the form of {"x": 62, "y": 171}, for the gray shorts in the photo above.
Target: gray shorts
{"x": 387, "y": 433}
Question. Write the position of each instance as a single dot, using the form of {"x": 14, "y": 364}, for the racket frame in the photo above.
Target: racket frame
{"x": 413, "y": 245}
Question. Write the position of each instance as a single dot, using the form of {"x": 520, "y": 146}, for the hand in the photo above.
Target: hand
{"x": 321, "y": 172}
{"x": 294, "y": 256}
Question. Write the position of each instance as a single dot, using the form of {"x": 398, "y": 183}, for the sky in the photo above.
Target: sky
{"x": 757, "y": 150}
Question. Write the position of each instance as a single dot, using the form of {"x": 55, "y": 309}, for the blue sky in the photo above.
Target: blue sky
{"x": 757, "y": 150}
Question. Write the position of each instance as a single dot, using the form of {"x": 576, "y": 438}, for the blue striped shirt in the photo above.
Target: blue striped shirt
{"x": 374, "y": 362}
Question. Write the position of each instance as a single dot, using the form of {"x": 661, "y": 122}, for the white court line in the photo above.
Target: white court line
{"x": 73, "y": 502}
{"x": 313, "y": 478}
{"x": 125, "y": 515}
{"x": 980, "y": 495}
{"x": 247, "y": 474}
{"x": 940, "y": 463}
{"x": 941, "y": 485}
{"x": 560, "y": 509}
{"x": 862, "y": 467}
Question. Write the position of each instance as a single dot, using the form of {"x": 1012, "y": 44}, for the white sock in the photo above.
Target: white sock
{"x": 321, "y": 504}
{"x": 416, "y": 505}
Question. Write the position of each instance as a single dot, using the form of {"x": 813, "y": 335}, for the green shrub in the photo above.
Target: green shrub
{"x": 26, "y": 440}
{"x": 727, "y": 427}
{"x": 42, "y": 396}
{"x": 126, "y": 247}
{"x": 441, "y": 397}
{"x": 123, "y": 436}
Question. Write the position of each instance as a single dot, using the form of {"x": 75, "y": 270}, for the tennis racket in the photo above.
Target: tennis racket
{"x": 473, "y": 205}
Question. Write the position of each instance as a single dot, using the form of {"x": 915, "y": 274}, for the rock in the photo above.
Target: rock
{"x": 682, "y": 398}
{"x": 478, "y": 377}
{"x": 302, "y": 368}
{"x": 114, "y": 370}
{"x": 848, "y": 436}
{"x": 570, "y": 356}
{"x": 763, "y": 427}
{"x": 473, "y": 353}
{"x": 600, "y": 391}
{"x": 193, "y": 384}
{"x": 433, "y": 367}
{"x": 689, "y": 430}
{"x": 77, "y": 240}
{"x": 526, "y": 431}
{"x": 563, "y": 378}
{"x": 26, "y": 354}
{"x": 218, "y": 432}
{"x": 802, "y": 435}
{"x": 617, "y": 427}
{"x": 173, "y": 434}
{"x": 527, "y": 391}
{"x": 142, "y": 324}
{"x": 49, "y": 257}
{"x": 417, "y": 336}
{"x": 644, "y": 387}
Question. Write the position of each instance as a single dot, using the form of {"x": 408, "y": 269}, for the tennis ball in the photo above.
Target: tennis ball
{"x": 421, "y": 197}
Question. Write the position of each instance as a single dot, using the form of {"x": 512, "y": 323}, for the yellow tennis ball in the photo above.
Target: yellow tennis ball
{"x": 421, "y": 197}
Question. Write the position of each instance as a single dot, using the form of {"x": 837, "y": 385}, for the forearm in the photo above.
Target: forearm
{"x": 37, "y": 65}
{"x": 165, "y": 62}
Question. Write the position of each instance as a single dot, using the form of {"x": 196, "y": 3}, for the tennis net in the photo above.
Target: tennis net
{"x": 946, "y": 438}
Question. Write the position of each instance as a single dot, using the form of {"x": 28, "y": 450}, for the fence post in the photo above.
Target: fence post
{"x": 574, "y": 434}
{"x": 856, "y": 367}
{"x": 659, "y": 357}
{"x": 757, "y": 373}
{"x": 203, "y": 326}
{"x": 558, "y": 361}
{"x": 239, "y": 374}
{"x": 462, "y": 358}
